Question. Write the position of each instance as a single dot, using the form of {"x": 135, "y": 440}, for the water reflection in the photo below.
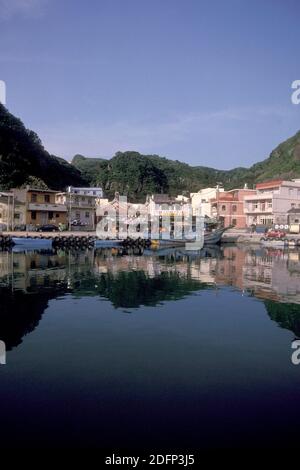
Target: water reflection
{"x": 29, "y": 280}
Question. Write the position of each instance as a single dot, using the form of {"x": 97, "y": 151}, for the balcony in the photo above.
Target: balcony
{"x": 267, "y": 196}
{"x": 258, "y": 210}
{"x": 82, "y": 204}
{"x": 34, "y": 206}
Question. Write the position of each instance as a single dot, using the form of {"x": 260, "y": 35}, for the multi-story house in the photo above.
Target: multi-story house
{"x": 165, "y": 205}
{"x": 271, "y": 202}
{"x": 81, "y": 205}
{"x": 228, "y": 207}
{"x": 201, "y": 201}
{"x": 34, "y": 207}
{"x": 6, "y": 211}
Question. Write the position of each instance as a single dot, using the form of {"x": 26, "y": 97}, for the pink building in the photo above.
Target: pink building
{"x": 228, "y": 206}
{"x": 271, "y": 202}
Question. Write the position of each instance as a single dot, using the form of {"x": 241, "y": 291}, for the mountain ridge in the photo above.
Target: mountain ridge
{"x": 24, "y": 160}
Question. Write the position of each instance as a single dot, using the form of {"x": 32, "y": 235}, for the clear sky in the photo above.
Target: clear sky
{"x": 207, "y": 82}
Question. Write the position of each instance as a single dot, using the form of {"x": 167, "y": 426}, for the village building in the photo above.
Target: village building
{"x": 35, "y": 207}
{"x": 201, "y": 201}
{"x": 271, "y": 202}
{"x": 228, "y": 207}
{"x": 6, "y": 211}
{"x": 80, "y": 204}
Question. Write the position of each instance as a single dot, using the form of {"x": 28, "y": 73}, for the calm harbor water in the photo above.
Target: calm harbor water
{"x": 161, "y": 351}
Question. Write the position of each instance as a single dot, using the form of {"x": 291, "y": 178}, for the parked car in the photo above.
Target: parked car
{"x": 20, "y": 228}
{"x": 78, "y": 223}
{"x": 48, "y": 228}
{"x": 277, "y": 234}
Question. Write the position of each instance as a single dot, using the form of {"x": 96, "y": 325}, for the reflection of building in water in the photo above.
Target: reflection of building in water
{"x": 229, "y": 269}
{"x": 35, "y": 270}
{"x": 132, "y": 281}
{"x": 269, "y": 274}
{"x": 198, "y": 269}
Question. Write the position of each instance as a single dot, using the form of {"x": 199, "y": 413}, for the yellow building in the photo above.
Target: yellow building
{"x": 35, "y": 207}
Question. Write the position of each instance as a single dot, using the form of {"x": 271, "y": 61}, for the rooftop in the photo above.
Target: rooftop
{"x": 269, "y": 184}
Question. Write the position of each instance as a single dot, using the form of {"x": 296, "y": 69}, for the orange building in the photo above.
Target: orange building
{"x": 228, "y": 206}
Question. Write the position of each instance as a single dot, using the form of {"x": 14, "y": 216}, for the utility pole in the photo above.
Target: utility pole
{"x": 13, "y": 212}
{"x": 70, "y": 207}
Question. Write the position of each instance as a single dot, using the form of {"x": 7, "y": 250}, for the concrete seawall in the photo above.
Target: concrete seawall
{"x": 237, "y": 236}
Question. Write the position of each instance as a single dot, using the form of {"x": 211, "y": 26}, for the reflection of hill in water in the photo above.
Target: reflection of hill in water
{"x": 28, "y": 282}
{"x": 134, "y": 289}
{"x": 19, "y": 315}
{"x": 285, "y": 315}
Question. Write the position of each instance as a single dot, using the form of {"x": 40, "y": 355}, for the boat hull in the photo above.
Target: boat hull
{"x": 33, "y": 243}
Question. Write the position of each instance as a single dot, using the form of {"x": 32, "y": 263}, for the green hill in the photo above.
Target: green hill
{"x": 136, "y": 175}
{"x": 23, "y": 159}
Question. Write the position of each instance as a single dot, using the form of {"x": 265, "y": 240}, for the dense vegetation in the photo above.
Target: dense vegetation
{"x": 136, "y": 175}
{"x": 23, "y": 160}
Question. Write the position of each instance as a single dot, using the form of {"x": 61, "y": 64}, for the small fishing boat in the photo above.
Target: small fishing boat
{"x": 32, "y": 243}
{"x": 213, "y": 238}
{"x": 107, "y": 243}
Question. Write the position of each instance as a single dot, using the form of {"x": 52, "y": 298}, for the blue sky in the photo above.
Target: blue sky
{"x": 205, "y": 82}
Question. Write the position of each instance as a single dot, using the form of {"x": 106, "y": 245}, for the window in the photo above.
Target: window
{"x": 234, "y": 208}
{"x": 223, "y": 208}
{"x": 17, "y": 215}
{"x": 87, "y": 215}
{"x": 33, "y": 215}
{"x": 233, "y": 221}
{"x": 293, "y": 204}
{"x": 77, "y": 215}
{"x": 296, "y": 221}
{"x": 33, "y": 197}
{"x": 50, "y": 215}
{"x": 57, "y": 216}
{"x": 47, "y": 198}
{"x": 270, "y": 204}
{"x": 94, "y": 192}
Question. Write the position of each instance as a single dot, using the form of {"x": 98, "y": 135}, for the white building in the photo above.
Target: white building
{"x": 93, "y": 192}
{"x": 201, "y": 200}
{"x": 272, "y": 201}
{"x": 81, "y": 205}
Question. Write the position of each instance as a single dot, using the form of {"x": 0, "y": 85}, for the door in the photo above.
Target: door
{"x": 43, "y": 218}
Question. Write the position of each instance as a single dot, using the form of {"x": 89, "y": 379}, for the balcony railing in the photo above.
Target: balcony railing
{"x": 47, "y": 207}
{"x": 257, "y": 210}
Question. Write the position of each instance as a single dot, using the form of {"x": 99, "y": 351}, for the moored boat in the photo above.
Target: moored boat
{"x": 213, "y": 238}
{"x": 31, "y": 242}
